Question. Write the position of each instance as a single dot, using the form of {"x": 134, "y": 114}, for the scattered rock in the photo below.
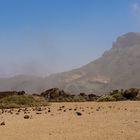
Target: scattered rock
{"x": 26, "y": 117}
{"x": 2, "y": 123}
{"x": 59, "y": 109}
{"x": 97, "y": 109}
{"x": 39, "y": 109}
{"x": 38, "y": 113}
{"x": 19, "y": 110}
{"x": 78, "y": 113}
{"x": 63, "y": 106}
{"x": 2, "y": 111}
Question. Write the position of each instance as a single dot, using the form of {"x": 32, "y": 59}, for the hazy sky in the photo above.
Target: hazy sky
{"x": 46, "y": 36}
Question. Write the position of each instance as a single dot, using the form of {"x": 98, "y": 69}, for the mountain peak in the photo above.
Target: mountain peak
{"x": 127, "y": 40}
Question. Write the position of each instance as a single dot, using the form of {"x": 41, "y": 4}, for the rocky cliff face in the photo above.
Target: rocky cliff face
{"x": 118, "y": 68}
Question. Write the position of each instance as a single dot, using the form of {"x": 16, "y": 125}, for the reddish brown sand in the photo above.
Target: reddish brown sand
{"x": 99, "y": 121}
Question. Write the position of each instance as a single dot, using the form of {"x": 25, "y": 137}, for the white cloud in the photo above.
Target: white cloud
{"x": 136, "y": 8}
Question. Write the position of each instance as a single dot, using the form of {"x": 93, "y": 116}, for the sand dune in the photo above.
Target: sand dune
{"x": 99, "y": 121}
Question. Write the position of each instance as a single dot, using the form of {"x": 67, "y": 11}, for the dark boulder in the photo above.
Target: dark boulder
{"x": 53, "y": 93}
{"x": 21, "y": 93}
{"x": 2, "y": 123}
{"x": 26, "y": 117}
{"x": 78, "y": 113}
{"x": 131, "y": 93}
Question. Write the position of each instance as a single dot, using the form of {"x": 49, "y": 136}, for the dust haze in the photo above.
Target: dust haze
{"x": 34, "y": 54}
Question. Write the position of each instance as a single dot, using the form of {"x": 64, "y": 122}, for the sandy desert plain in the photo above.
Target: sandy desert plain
{"x": 61, "y": 121}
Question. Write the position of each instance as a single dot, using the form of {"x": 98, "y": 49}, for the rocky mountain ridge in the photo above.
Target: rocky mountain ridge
{"x": 117, "y": 68}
